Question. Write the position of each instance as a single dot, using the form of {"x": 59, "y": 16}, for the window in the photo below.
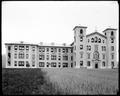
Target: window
{"x": 112, "y": 56}
{"x": 33, "y": 63}
{"x": 53, "y": 64}
{"x": 65, "y": 64}
{"x": 53, "y": 49}
{"x": 53, "y": 57}
{"x": 88, "y": 55}
{"x": 103, "y": 41}
{"x": 112, "y": 64}
{"x": 88, "y": 63}
{"x": 9, "y": 55}
{"x": 71, "y": 50}
{"x": 88, "y": 40}
{"x": 63, "y": 50}
{"x": 9, "y": 48}
{"x": 33, "y": 48}
{"x": 103, "y": 63}
{"x": 27, "y": 47}
{"x": 15, "y": 47}
{"x": 59, "y": 50}
{"x": 21, "y": 55}
{"x": 27, "y": 64}
{"x": 33, "y": 56}
{"x": 41, "y": 64}
{"x": 59, "y": 64}
{"x": 88, "y": 47}
{"x": 41, "y": 49}
{"x": 48, "y": 64}
{"x": 92, "y": 40}
{"x": 81, "y": 54}
{"x": 112, "y": 40}
{"x": 9, "y": 63}
{"x": 21, "y": 63}
{"x": 65, "y": 57}
{"x": 96, "y": 39}
{"x": 27, "y": 56}
{"x": 41, "y": 57}
{"x": 81, "y": 31}
{"x": 112, "y": 33}
{"x": 21, "y": 47}
{"x": 81, "y": 46}
{"x": 81, "y": 39}
{"x": 103, "y": 56}
{"x": 59, "y": 57}
{"x": 103, "y": 48}
{"x": 15, "y": 63}
{"x": 112, "y": 48}
{"x": 81, "y": 63}
{"x": 47, "y": 57}
{"x": 71, "y": 58}
{"x": 66, "y": 50}
{"x": 15, "y": 55}
{"x": 105, "y": 33}
{"x": 99, "y": 40}
{"x": 47, "y": 49}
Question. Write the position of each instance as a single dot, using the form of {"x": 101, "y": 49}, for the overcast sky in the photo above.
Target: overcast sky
{"x": 53, "y": 21}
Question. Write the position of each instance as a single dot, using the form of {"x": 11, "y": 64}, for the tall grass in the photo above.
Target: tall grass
{"x": 74, "y": 81}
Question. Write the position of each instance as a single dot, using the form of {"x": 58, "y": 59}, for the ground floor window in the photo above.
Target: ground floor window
{"x": 21, "y": 63}
{"x": 103, "y": 63}
{"x": 15, "y": 63}
{"x": 41, "y": 64}
{"x": 53, "y": 64}
{"x": 81, "y": 63}
{"x": 88, "y": 63}
{"x": 27, "y": 64}
{"x": 65, "y": 64}
{"x": 48, "y": 64}
{"x": 112, "y": 64}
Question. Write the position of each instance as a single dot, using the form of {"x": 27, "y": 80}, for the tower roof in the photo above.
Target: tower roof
{"x": 79, "y": 27}
{"x": 109, "y": 29}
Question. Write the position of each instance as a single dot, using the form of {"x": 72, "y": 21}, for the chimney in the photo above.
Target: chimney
{"x": 41, "y": 43}
{"x": 64, "y": 44}
{"x": 52, "y": 43}
{"x": 21, "y": 42}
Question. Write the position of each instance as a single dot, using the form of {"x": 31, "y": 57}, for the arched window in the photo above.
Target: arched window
{"x": 112, "y": 33}
{"x": 99, "y": 40}
{"x": 96, "y": 55}
{"x": 81, "y": 31}
{"x": 96, "y": 39}
{"x": 92, "y": 40}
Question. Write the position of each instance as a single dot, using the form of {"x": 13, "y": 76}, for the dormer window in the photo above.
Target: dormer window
{"x": 96, "y": 39}
{"x": 99, "y": 40}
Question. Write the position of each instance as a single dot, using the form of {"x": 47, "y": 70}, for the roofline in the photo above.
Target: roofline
{"x": 79, "y": 27}
{"x": 36, "y": 45}
{"x": 97, "y": 33}
{"x": 109, "y": 29}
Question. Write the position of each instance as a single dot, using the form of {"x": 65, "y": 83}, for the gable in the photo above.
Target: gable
{"x": 96, "y": 33}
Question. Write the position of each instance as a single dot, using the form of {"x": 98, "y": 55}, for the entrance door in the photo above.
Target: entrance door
{"x": 96, "y": 65}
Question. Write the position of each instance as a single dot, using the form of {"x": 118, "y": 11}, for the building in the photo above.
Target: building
{"x": 94, "y": 50}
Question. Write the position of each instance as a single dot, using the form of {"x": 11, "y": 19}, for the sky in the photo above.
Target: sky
{"x": 53, "y": 21}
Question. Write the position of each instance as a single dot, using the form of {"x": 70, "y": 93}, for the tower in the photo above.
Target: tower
{"x": 111, "y": 53}
{"x": 79, "y": 50}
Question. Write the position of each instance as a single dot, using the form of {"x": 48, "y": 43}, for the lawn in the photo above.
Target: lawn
{"x": 84, "y": 81}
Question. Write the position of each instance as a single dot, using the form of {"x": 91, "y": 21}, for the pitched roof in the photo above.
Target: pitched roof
{"x": 96, "y": 33}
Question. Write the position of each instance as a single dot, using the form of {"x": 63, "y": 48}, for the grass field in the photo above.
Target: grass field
{"x": 84, "y": 81}
{"x": 59, "y": 81}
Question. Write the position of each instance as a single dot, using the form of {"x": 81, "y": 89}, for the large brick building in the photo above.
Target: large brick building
{"x": 94, "y": 50}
